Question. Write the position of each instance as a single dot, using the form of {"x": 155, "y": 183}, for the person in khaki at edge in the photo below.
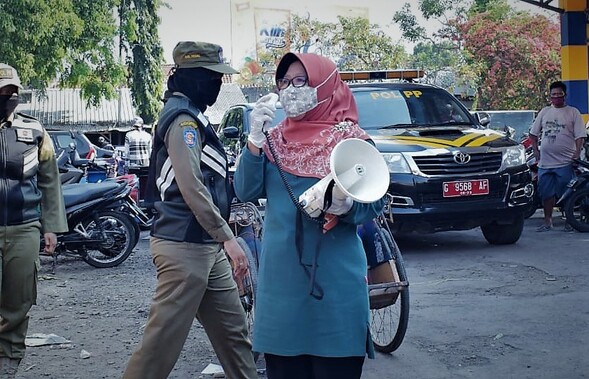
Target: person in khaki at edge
{"x": 190, "y": 237}
{"x": 31, "y": 203}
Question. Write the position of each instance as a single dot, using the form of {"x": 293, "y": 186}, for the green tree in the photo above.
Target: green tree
{"x": 437, "y": 53}
{"x": 363, "y": 46}
{"x": 91, "y": 63}
{"x": 353, "y": 43}
{"x": 140, "y": 41}
{"x": 78, "y": 43}
{"x": 436, "y": 59}
{"x": 68, "y": 41}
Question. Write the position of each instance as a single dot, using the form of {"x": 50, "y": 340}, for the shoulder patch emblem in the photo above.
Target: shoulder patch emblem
{"x": 189, "y": 124}
{"x": 190, "y": 137}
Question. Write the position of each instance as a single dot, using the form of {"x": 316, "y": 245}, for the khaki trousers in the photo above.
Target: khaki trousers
{"x": 19, "y": 253}
{"x": 194, "y": 280}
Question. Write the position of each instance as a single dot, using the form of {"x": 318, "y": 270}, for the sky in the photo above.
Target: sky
{"x": 209, "y": 20}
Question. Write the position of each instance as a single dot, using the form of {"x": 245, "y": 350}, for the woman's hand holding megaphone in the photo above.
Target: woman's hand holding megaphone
{"x": 261, "y": 116}
{"x": 340, "y": 202}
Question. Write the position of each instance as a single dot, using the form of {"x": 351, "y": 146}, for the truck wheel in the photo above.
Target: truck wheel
{"x": 503, "y": 234}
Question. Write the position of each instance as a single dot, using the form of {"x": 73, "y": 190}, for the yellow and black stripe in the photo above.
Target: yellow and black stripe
{"x": 468, "y": 140}
{"x": 574, "y": 54}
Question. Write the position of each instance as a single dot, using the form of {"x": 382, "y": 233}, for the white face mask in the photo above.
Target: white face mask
{"x": 298, "y": 100}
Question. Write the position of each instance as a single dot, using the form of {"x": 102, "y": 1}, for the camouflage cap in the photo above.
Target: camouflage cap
{"x": 189, "y": 54}
{"x": 8, "y": 76}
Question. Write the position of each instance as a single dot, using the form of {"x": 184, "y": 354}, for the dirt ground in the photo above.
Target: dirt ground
{"x": 102, "y": 312}
{"x": 477, "y": 311}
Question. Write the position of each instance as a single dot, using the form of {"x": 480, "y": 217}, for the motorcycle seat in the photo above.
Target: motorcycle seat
{"x": 79, "y": 193}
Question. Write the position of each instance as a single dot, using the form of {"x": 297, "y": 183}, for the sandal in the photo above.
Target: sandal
{"x": 544, "y": 228}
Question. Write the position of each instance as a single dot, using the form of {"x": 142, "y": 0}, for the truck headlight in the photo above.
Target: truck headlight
{"x": 514, "y": 156}
{"x": 396, "y": 163}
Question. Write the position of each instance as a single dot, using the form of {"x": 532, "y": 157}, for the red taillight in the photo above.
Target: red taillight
{"x": 135, "y": 195}
{"x": 91, "y": 153}
{"x": 133, "y": 182}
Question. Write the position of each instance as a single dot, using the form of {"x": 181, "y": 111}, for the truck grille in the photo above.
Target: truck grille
{"x": 444, "y": 164}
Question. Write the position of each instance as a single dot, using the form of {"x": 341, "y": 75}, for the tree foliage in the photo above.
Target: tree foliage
{"x": 507, "y": 56}
{"x": 516, "y": 57}
{"x": 141, "y": 43}
{"x": 365, "y": 47}
{"x": 73, "y": 43}
{"x": 352, "y": 43}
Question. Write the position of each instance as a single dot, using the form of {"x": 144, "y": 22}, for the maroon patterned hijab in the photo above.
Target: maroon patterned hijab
{"x": 303, "y": 146}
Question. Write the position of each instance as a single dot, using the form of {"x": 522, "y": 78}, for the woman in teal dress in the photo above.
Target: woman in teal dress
{"x": 312, "y": 309}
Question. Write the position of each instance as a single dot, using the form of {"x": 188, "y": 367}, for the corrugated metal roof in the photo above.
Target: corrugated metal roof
{"x": 65, "y": 109}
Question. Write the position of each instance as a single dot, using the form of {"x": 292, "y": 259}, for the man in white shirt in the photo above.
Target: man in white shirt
{"x": 137, "y": 145}
{"x": 560, "y": 129}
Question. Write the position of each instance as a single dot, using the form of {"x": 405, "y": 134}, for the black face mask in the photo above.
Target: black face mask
{"x": 202, "y": 86}
{"x": 8, "y": 104}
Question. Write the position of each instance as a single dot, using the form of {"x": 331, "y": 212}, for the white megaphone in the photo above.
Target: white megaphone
{"x": 359, "y": 171}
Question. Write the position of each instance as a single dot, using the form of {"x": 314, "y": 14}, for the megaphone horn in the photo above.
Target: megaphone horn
{"x": 359, "y": 171}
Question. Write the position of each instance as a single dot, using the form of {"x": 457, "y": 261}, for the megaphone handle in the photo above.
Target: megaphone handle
{"x": 328, "y": 197}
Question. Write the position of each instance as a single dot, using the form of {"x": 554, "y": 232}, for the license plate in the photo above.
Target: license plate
{"x": 466, "y": 188}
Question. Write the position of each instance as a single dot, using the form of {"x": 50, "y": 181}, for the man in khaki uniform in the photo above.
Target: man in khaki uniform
{"x": 190, "y": 237}
{"x": 30, "y": 202}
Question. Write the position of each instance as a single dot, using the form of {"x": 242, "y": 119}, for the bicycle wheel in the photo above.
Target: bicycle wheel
{"x": 389, "y": 323}
{"x": 247, "y": 295}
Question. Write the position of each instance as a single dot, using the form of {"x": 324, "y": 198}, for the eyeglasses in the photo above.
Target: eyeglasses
{"x": 297, "y": 81}
{"x": 557, "y": 95}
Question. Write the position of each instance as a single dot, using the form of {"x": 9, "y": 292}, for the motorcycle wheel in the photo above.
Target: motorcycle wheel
{"x": 118, "y": 245}
{"x": 576, "y": 210}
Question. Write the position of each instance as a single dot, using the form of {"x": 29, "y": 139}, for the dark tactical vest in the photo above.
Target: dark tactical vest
{"x": 175, "y": 220}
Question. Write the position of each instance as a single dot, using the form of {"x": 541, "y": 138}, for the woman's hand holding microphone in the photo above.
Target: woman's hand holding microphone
{"x": 260, "y": 117}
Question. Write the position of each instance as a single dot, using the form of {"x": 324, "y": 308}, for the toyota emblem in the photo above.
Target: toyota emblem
{"x": 461, "y": 158}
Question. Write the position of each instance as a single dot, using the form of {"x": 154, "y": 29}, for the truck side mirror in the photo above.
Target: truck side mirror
{"x": 483, "y": 118}
{"x": 231, "y": 132}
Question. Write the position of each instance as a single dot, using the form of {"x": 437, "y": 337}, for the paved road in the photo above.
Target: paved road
{"x": 477, "y": 311}
{"x": 482, "y": 311}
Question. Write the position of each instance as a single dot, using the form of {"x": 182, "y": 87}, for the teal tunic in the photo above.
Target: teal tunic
{"x": 289, "y": 321}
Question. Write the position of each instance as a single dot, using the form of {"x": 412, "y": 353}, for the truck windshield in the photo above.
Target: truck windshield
{"x": 390, "y": 108}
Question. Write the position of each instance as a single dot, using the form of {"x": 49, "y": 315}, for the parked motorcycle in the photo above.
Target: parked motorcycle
{"x": 575, "y": 200}
{"x": 99, "y": 233}
{"x": 73, "y": 169}
{"x": 142, "y": 215}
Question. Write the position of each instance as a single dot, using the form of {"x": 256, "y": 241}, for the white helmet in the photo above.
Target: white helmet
{"x": 9, "y": 76}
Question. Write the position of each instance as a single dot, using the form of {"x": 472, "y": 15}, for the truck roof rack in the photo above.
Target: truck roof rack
{"x": 401, "y": 74}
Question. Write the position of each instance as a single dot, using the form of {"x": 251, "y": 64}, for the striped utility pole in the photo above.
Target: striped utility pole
{"x": 575, "y": 53}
